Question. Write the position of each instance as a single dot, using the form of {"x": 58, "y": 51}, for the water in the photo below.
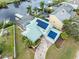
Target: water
{"x": 12, "y": 9}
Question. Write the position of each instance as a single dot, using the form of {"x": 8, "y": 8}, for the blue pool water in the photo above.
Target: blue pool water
{"x": 42, "y": 24}
{"x": 52, "y": 34}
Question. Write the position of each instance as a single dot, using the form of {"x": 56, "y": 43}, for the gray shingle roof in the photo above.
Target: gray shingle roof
{"x": 24, "y": 21}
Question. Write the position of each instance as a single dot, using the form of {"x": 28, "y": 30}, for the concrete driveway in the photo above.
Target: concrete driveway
{"x": 41, "y": 50}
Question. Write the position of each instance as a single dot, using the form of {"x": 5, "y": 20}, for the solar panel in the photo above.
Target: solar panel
{"x": 52, "y": 34}
{"x": 42, "y": 24}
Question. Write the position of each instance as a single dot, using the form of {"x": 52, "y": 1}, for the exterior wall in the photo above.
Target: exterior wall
{"x": 55, "y": 22}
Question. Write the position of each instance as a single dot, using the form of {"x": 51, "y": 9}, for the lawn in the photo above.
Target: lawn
{"x": 22, "y": 52}
{"x": 67, "y": 51}
{"x": 7, "y": 1}
{"x": 7, "y": 42}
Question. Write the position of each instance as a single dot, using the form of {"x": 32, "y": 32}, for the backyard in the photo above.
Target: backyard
{"x": 67, "y": 51}
{"x": 8, "y": 45}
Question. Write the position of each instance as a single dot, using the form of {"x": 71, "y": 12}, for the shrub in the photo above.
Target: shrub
{"x": 1, "y": 24}
{"x": 29, "y": 43}
{"x": 1, "y": 49}
{"x": 64, "y": 35}
{"x": 3, "y": 5}
{"x": 6, "y": 25}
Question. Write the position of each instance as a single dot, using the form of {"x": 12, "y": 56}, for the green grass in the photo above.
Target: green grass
{"x": 7, "y": 1}
{"x": 7, "y": 41}
{"x": 68, "y": 51}
{"x": 22, "y": 52}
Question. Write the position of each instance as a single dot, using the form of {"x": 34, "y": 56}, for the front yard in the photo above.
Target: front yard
{"x": 67, "y": 51}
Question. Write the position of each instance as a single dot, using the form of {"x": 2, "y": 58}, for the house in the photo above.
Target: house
{"x": 75, "y": 6}
{"x": 65, "y": 11}
{"x": 22, "y": 21}
{"x": 32, "y": 32}
{"x": 62, "y": 15}
{"x": 67, "y": 6}
{"x": 55, "y": 22}
{"x": 39, "y": 27}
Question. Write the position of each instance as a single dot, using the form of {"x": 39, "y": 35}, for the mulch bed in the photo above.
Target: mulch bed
{"x": 59, "y": 42}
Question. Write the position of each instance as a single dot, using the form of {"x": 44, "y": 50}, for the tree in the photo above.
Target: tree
{"x": 71, "y": 27}
{"x": 35, "y": 10}
{"x": 1, "y": 49}
{"x": 3, "y": 4}
{"x": 29, "y": 10}
{"x": 16, "y": 3}
{"x": 42, "y": 6}
{"x": 76, "y": 10}
{"x": 48, "y": 10}
{"x": 27, "y": 42}
{"x": 57, "y": 1}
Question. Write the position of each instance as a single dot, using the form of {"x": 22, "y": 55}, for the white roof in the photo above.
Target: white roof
{"x": 18, "y": 15}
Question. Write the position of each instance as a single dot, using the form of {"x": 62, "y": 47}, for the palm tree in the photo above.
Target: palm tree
{"x": 42, "y": 6}
{"x": 27, "y": 42}
{"x": 71, "y": 27}
{"x": 35, "y": 11}
{"x": 29, "y": 10}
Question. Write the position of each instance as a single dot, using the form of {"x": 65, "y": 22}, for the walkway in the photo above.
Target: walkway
{"x": 77, "y": 55}
{"x": 41, "y": 50}
{"x": 14, "y": 41}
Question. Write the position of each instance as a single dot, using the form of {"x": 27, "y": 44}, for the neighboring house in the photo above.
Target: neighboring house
{"x": 62, "y": 14}
{"x": 39, "y": 27}
{"x": 65, "y": 11}
{"x": 22, "y": 21}
{"x": 75, "y": 6}
{"x": 55, "y": 22}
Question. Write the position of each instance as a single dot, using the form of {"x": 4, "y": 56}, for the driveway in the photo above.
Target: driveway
{"x": 41, "y": 50}
{"x": 77, "y": 55}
